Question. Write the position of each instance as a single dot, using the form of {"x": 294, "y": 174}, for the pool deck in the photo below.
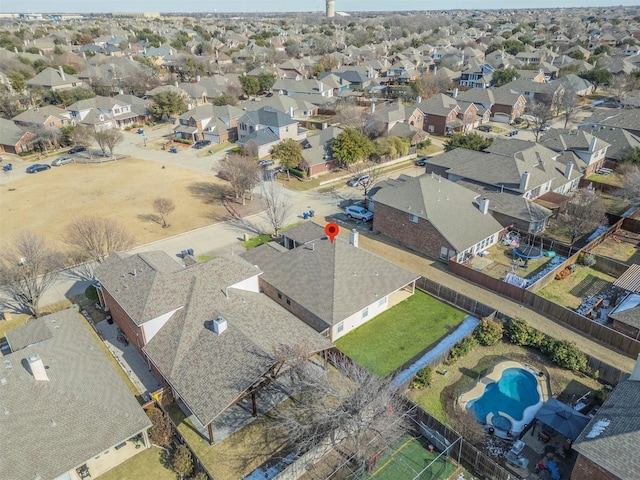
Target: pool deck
{"x": 478, "y": 390}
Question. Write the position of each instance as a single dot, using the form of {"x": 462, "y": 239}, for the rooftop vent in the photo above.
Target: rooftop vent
{"x": 37, "y": 367}
{"x": 219, "y": 325}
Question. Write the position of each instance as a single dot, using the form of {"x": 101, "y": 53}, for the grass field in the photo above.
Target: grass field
{"x": 149, "y": 464}
{"x": 570, "y": 292}
{"x": 386, "y": 342}
{"x": 406, "y": 459}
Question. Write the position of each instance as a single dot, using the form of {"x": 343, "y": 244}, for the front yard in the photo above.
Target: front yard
{"x": 386, "y": 342}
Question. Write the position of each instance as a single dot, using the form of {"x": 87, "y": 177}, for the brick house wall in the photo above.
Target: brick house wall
{"x": 292, "y": 306}
{"x": 322, "y": 168}
{"x": 132, "y": 331}
{"x": 437, "y": 122}
{"x": 585, "y": 469}
{"x": 422, "y": 236}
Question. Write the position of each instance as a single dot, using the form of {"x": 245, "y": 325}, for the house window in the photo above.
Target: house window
{"x": 288, "y": 302}
{"x": 382, "y": 301}
{"x": 365, "y": 312}
{"x": 413, "y": 218}
{"x": 279, "y": 295}
{"x": 431, "y": 128}
{"x": 340, "y": 327}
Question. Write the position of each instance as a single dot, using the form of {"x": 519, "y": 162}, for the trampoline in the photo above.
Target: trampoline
{"x": 528, "y": 252}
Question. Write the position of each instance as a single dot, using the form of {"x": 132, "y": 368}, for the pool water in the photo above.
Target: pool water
{"x": 508, "y": 400}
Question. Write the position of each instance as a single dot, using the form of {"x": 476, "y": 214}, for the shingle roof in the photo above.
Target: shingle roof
{"x": 51, "y": 77}
{"x": 620, "y": 141}
{"x": 211, "y": 371}
{"x": 612, "y": 437}
{"x": 50, "y": 427}
{"x": 40, "y": 115}
{"x": 35, "y": 331}
{"x": 576, "y": 140}
{"x": 332, "y": 281}
{"x": 10, "y": 133}
{"x": 439, "y": 104}
{"x": 270, "y": 117}
{"x": 438, "y": 201}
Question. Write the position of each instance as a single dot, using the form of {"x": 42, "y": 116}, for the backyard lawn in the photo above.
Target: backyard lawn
{"x": 500, "y": 261}
{"x": 386, "y": 342}
{"x": 571, "y": 291}
{"x": 149, "y": 464}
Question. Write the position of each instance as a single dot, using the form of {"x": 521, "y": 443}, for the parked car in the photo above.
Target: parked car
{"x": 266, "y": 163}
{"x": 359, "y": 180}
{"x": 201, "y": 144}
{"x": 61, "y": 161}
{"x": 359, "y": 213}
{"x": 544, "y": 128}
{"x": 37, "y": 167}
{"x": 485, "y": 128}
{"x": 421, "y": 162}
{"x": 77, "y": 149}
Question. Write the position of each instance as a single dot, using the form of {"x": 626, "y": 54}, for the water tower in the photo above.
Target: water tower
{"x": 331, "y": 8}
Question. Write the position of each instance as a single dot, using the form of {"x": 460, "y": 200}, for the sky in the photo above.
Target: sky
{"x": 85, "y": 6}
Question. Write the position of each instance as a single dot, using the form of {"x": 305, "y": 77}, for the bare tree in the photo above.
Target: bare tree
{"x": 97, "y": 237}
{"x": 29, "y": 266}
{"x": 370, "y": 173}
{"x": 101, "y": 139}
{"x": 582, "y": 213}
{"x": 569, "y": 104}
{"x": 630, "y": 190}
{"x": 540, "y": 112}
{"x": 243, "y": 172}
{"x": 46, "y": 137}
{"x": 352, "y": 116}
{"x": 277, "y": 206}
{"x": 163, "y": 207}
{"x": 112, "y": 138}
{"x": 346, "y": 407}
{"x": 81, "y": 135}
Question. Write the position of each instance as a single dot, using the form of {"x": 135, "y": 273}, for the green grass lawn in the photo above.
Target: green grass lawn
{"x": 149, "y": 464}
{"x": 386, "y": 342}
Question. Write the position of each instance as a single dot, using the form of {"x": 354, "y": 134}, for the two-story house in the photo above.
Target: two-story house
{"x": 504, "y": 105}
{"x": 441, "y": 115}
{"x": 217, "y": 124}
{"x": 589, "y": 149}
{"x": 55, "y": 79}
{"x": 47, "y": 117}
{"x": 265, "y": 127}
{"x": 309, "y": 87}
{"x": 101, "y": 113}
{"x": 476, "y": 74}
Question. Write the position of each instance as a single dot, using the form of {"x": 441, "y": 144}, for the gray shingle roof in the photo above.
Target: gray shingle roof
{"x": 50, "y": 427}
{"x": 615, "y": 433}
{"x": 209, "y": 371}
{"x": 10, "y": 133}
{"x": 439, "y": 104}
{"x": 620, "y": 141}
{"x": 270, "y": 117}
{"x": 35, "y": 331}
{"x": 332, "y": 281}
{"x": 439, "y": 201}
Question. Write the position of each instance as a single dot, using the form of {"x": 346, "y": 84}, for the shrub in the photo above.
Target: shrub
{"x": 589, "y": 260}
{"x": 298, "y": 173}
{"x": 161, "y": 432}
{"x": 91, "y": 293}
{"x": 182, "y": 461}
{"x": 601, "y": 395}
{"x": 567, "y": 355}
{"x": 423, "y": 378}
{"x": 424, "y": 144}
{"x": 489, "y": 332}
{"x": 462, "y": 348}
{"x": 519, "y": 332}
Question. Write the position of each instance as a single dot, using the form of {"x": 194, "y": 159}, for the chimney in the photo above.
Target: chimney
{"x": 37, "y": 367}
{"x": 61, "y": 73}
{"x": 291, "y": 112}
{"x": 455, "y": 92}
{"x": 418, "y": 100}
{"x": 484, "y": 205}
{"x": 373, "y": 107}
{"x": 592, "y": 144}
{"x": 354, "y": 238}
{"x": 635, "y": 375}
{"x": 219, "y": 325}
{"x": 568, "y": 169}
{"x": 524, "y": 181}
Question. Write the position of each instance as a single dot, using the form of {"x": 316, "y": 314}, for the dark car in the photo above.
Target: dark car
{"x": 421, "y": 162}
{"x": 485, "y": 128}
{"x": 77, "y": 149}
{"x": 201, "y": 144}
{"x": 37, "y": 167}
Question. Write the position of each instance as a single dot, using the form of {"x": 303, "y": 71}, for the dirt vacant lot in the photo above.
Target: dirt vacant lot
{"x": 48, "y": 201}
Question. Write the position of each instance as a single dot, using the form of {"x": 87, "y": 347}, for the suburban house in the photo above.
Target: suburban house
{"x": 434, "y": 216}
{"x": 100, "y": 113}
{"x": 295, "y": 106}
{"x": 209, "y": 122}
{"x": 524, "y": 168}
{"x": 55, "y": 79}
{"x": 265, "y": 127}
{"x": 628, "y": 119}
{"x": 441, "y": 115}
{"x": 309, "y": 87}
{"x": 64, "y": 403}
{"x": 476, "y": 74}
{"x": 538, "y": 91}
{"x": 207, "y": 332}
{"x": 317, "y": 153}
{"x": 609, "y": 447}
{"x": 589, "y": 149}
{"x": 14, "y": 139}
{"x": 390, "y": 114}
{"x": 620, "y": 143}
{"x": 332, "y": 286}
{"x": 504, "y": 105}
{"x": 47, "y": 117}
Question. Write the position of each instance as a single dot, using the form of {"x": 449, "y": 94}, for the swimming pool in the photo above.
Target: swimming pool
{"x": 509, "y": 401}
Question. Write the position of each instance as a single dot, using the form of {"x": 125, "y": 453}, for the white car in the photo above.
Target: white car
{"x": 61, "y": 161}
{"x": 359, "y": 213}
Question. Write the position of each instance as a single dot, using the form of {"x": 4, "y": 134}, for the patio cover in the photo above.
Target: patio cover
{"x": 562, "y": 418}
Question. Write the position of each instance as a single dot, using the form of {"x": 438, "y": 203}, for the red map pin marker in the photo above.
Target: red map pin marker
{"x": 331, "y": 229}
